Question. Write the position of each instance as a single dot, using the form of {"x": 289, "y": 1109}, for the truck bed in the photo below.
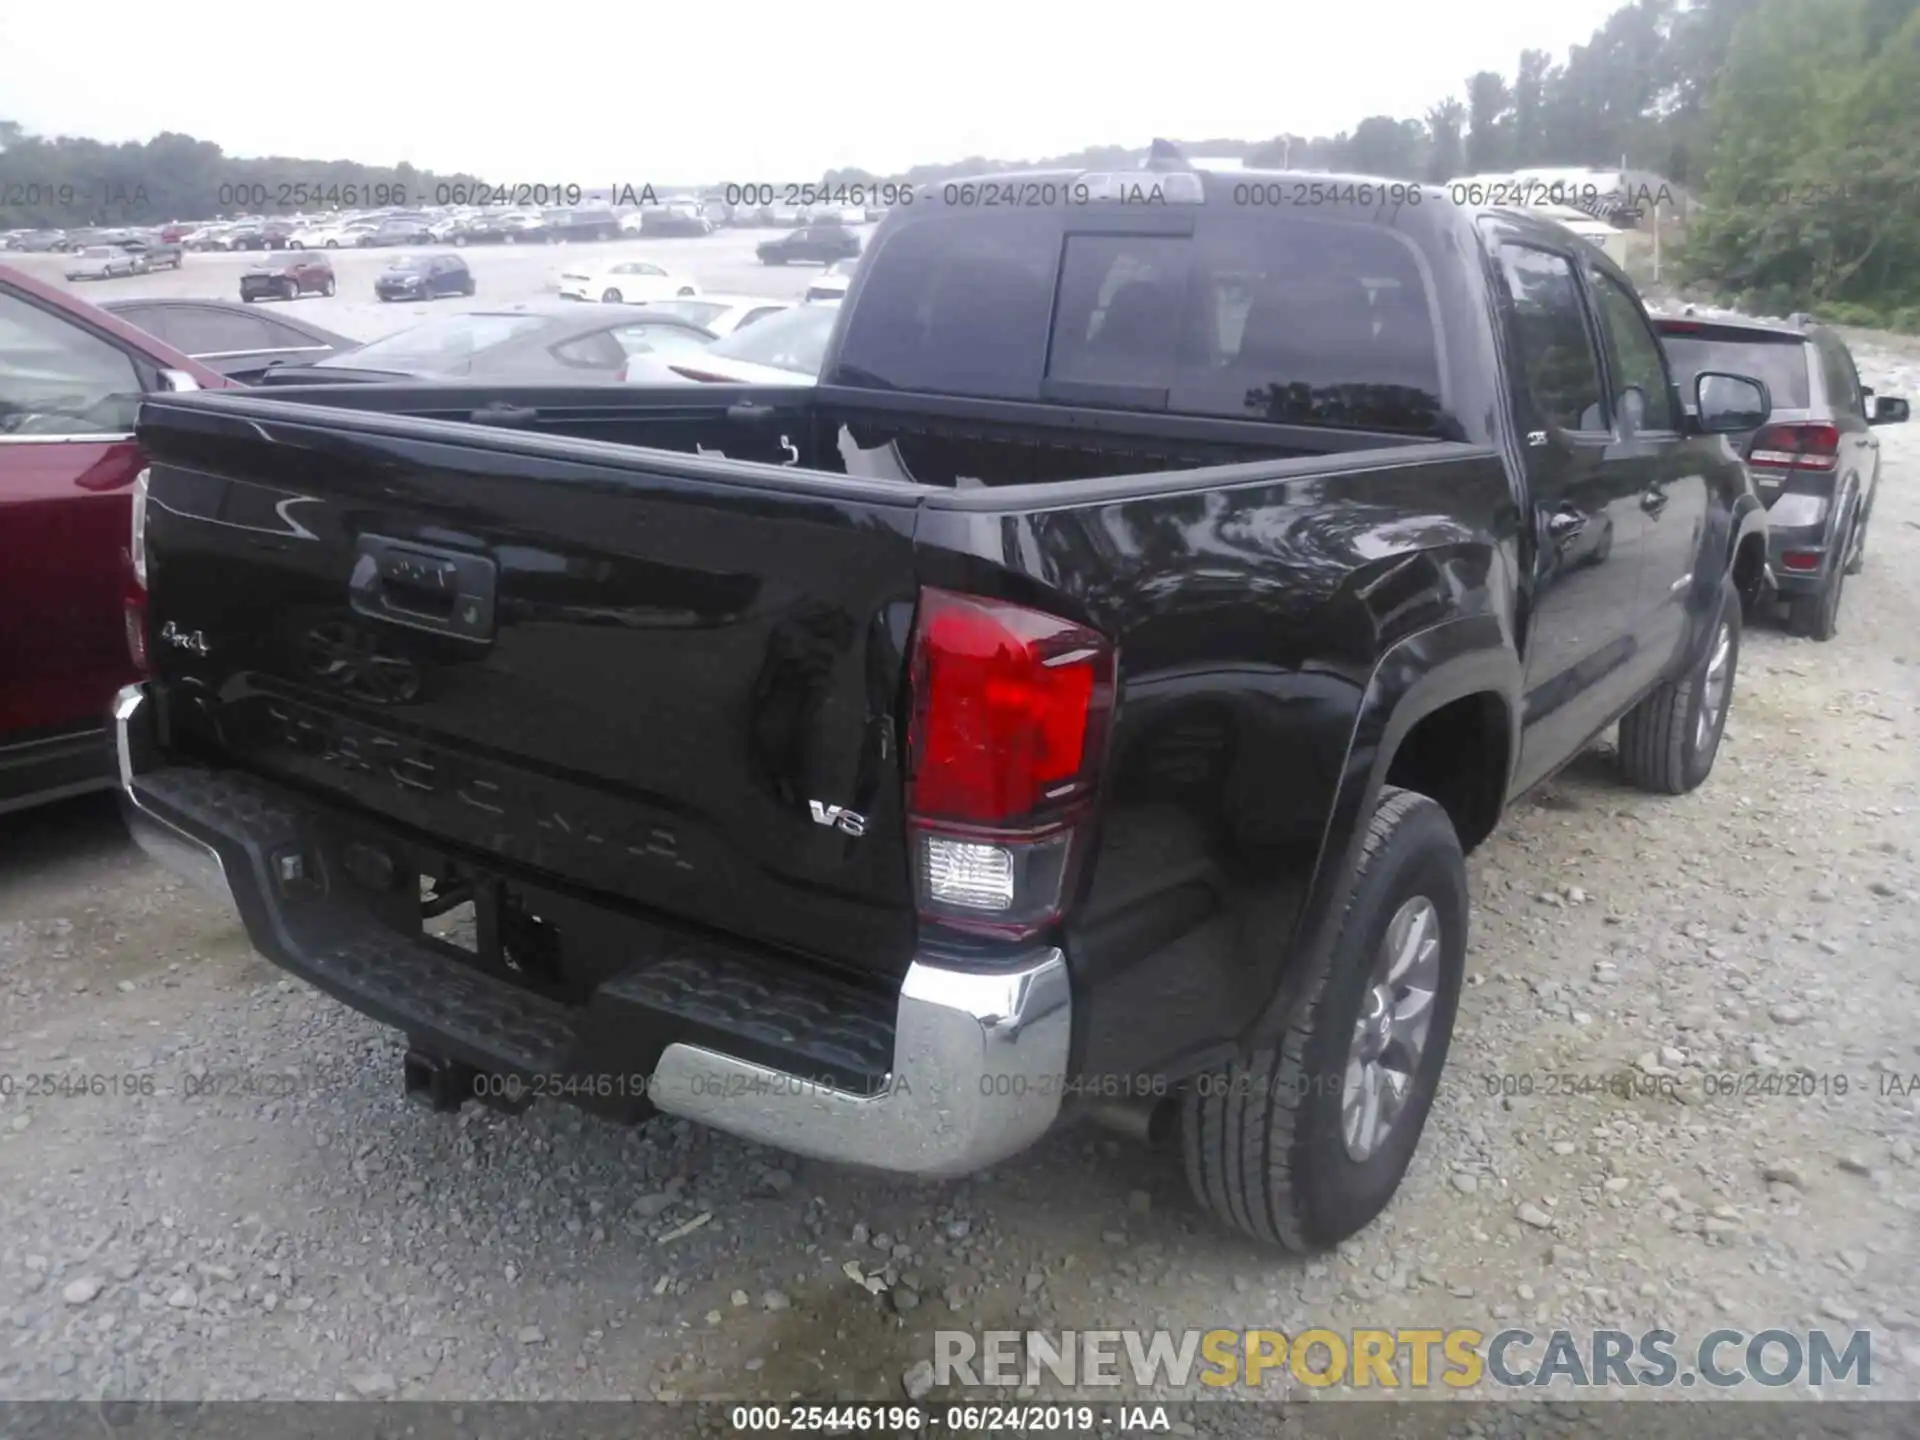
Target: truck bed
{"x": 602, "y": 644}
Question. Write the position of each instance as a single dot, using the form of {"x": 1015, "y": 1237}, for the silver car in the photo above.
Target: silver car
{"x": 100, "y": 262}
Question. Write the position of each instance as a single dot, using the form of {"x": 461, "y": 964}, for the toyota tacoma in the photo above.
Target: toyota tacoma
{"x": 1077, "y": 705}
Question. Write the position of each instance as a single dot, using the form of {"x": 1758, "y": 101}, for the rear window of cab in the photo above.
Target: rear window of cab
{"x": 1246, "y": 315}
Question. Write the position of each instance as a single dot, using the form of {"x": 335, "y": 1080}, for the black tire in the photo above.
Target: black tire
{"x": 327, "y": 288}
{"x": 469, "y": 288}
{"x": 1817, "y": 616}
{"x": 1664, "y": 747}
{"x": 611, "y": 296}
{"x": 290, "y": 290}
{"x": 1857, "y": 561}
{"x": 246, "y": 297}
{"x": 333, "y": 244}
{"x": 685, "y": 291}
{"x": 1264, "y": 1143}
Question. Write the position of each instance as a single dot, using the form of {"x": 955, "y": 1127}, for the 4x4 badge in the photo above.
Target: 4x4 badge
{"x": 180, "y": 639}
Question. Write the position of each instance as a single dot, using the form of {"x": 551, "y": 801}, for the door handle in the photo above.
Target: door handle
{"x": 1653, "y": 500}
{"x": 1565, "y": 524}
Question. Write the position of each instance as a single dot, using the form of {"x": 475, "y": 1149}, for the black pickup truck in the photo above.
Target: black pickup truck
{"x": 1076, "y": 704}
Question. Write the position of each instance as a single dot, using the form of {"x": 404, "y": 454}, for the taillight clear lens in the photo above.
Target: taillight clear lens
{"x": 1011, "y": 708}
{"x": 137, "y": 540}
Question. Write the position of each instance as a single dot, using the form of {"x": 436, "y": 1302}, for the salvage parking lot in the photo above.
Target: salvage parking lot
{"x": 1680, "y": 1096}
{"x": 722, "y": 262}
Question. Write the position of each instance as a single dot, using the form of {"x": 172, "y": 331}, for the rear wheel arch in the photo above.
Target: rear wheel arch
{"x": 1460, "y": 754}
{"x": 1455, "y": 683}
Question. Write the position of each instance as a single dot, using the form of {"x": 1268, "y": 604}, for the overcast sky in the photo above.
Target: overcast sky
{"x": 740, "y": 90}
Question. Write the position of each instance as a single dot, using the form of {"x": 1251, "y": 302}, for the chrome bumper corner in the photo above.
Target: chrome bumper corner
{"x": 978, "y": 1064}
{"x": 172, "y": 848}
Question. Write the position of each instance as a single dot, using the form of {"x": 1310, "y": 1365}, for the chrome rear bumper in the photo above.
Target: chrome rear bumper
{"x": 979, "y": 1053}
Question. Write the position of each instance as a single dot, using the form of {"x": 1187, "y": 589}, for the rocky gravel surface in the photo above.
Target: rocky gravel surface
{"x": 1685, "y": 1094}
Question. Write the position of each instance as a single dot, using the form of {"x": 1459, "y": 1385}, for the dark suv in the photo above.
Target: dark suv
{"x": 288, "y": 277}
{"x": 424, "y": 277}
{"x": 1816, "y": 463}
{"x": 822, "y": 244}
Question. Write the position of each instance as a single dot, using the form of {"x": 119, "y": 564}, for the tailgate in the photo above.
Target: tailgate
{"x": 670, "y": 681}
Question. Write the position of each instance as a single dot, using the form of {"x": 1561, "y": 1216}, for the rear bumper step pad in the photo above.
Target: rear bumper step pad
{"x": 956, "y": 1072}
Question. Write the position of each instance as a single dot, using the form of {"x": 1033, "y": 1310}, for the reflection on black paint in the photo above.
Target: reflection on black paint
{"x": 793, "y": 685}
{"x": 1398, "y": 409}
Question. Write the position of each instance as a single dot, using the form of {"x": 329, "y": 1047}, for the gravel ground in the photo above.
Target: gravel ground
{"x": 272, "y": 1220}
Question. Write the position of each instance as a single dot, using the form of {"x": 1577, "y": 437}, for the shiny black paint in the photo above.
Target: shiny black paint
{"x": 688, "y": 649}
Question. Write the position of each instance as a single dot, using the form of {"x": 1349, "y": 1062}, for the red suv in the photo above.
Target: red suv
{"x": 287, "y": 276}
{"x": 72, "y": 620}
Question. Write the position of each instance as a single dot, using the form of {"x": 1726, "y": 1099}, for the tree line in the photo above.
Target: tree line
{"x": 1795, "y": 124}
{"x": 70, "y": 183}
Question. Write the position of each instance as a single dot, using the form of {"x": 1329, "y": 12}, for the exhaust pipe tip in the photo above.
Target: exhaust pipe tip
{"x": 1148, "y": 1120}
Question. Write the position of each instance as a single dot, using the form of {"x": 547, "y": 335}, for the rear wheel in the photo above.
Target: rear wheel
{"x": 290, "y": 290}
{"x": 685, "y": 290}
{"x": 1858, "y": 560}
{"x": 1817, "y": 616}
{"x": 611, "y": 297}
{"x": 327, "y": 286}
{"x": 1303, "y": 1144}
{"x": 1669, "y": 740}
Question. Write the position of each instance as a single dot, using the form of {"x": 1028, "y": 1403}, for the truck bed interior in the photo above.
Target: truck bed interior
{"x": 915, "y": 439}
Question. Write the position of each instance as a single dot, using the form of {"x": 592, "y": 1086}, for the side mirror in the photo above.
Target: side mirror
{"x": 1728, "y": 404}
{"x": 177, "y": 380}
{"x": 1887, "y": 410}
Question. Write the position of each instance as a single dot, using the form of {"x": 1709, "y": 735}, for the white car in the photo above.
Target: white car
{"x": 833, "y": 282}
{"x": 783, "y": 349}
{"x": 722, "y": 314}
{"x": 98, "y": 262}
{"x": 629, "y": 282}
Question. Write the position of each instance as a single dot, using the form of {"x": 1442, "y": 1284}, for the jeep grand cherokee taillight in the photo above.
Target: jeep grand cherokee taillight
{"x": 1010, "y": 715}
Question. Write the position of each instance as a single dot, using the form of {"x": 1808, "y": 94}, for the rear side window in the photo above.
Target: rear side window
{"x": 1252, "y": 316}
{"x": 1843, "y": 386}
{"x": 207, "y": 331}
{"x": 1781, "y": 365}
{"x": 1557, "y": 355}
{"x": 1644, "y": 398}
{"x": 153, "y": 320}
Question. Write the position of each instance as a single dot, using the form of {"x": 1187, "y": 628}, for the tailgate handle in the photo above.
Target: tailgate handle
{"x": 446, "y": 591}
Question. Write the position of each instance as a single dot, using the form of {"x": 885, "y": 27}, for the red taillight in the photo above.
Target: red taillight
{"x": 1795, "y": 447}
{"x": 1800, "y": 560}
{"x": 1004, "y": 699}
{"x": 1010, "y": 713}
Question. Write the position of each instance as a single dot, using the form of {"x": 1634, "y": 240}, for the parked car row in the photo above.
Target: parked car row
{"x": 135, "y": 255}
